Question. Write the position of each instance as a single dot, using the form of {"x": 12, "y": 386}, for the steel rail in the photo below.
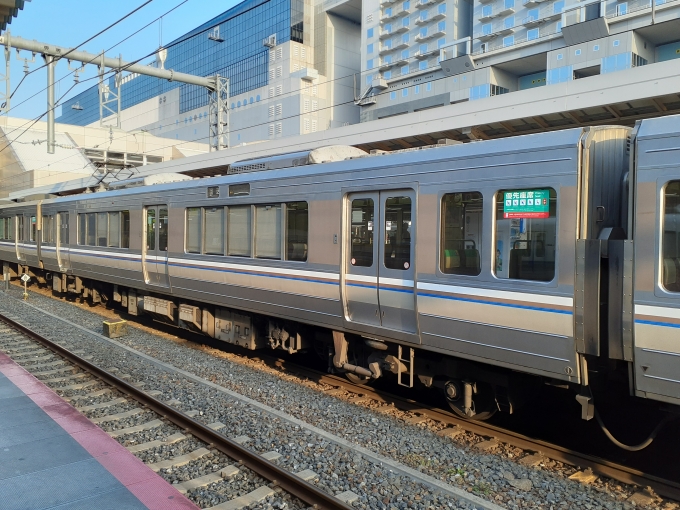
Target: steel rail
{"x": 289, "y": 482}
{"x": 624, "y": 474}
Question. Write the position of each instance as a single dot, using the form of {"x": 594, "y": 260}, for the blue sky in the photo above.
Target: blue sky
{"x": 68, "y": 23}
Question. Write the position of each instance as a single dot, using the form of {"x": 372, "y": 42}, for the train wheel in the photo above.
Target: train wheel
{"x": 356, "y": 356}
{"x": 357, "y": 379}
{"x": 481, "y": 400}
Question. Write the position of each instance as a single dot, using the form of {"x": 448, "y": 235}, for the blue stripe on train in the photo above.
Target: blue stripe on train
{"x": 508, "y": 305}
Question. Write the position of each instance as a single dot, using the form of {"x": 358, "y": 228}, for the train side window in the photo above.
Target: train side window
{"x": 34, "y": 230}
{"x": 82, "y": 228}
{"x": 125, "y": 229}
{"x": 91, "y": 229}
{"x": 193, "y": 230}
{"x": 297, "y": 231}
{"x": 213, "y": 243}
{"x": 670, "y": 240}
{"x": 114, "y": 229}
{"x": 526, "y": 234}
{"x": 47, "y": 229}
{"x": 268, "y": 231}
{"x": 239, "y": 231}
{"x": 102, "y": 229}
{"x": 363, "y": 212}
{"x": 20, "y": 228}
{"x": 7, "y": 229}
{"x": 398, "y": 233}
{"x": 461, "y": 235}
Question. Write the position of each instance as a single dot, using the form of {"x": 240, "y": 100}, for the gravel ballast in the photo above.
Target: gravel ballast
{"x": 495, "y": 477}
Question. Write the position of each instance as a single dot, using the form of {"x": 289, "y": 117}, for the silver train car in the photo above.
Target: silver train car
{"x": 476, "y": 268}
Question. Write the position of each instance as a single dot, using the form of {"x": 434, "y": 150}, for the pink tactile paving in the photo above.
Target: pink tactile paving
{"x": 149, "y": 488}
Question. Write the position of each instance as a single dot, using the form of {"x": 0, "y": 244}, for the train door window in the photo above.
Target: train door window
{"x": 163, "y": 229}
{"x": 461, "y": 235}
{"x": 526, "y": 234}
{"x": 398, "y": 233}
{"x": 363, "y": 211}
{"x": 297, "y": 231}
{"x": 125, "y": 229}
{"x": 213, "y": 243}
{"x": 150, "y": 229}
{"x": 82, "y": 228}
{"x": 47, "y": 229}
{"x": 193, "y": 230}
{"x": 268, "y": 231}
{"x": 239, "y": 231}
{"x": 34, "y": 230}
{"x": 102, "y": 228}
{"x": 91, "y": 229}
{"x": 114, "y": 229}
{"x": 20, "y": 229}
{"x": 670, "y": 240}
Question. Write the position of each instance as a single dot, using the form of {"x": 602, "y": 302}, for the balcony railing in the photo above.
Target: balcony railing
{"x": 432, "y": 32}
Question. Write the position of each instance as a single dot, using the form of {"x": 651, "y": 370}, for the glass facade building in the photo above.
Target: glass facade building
{"x": 240, "y": 56}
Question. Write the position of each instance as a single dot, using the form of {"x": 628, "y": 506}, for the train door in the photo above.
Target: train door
{"x": 361, "y": 266}
{"x": 155, "y": 258}
{"x": 396, "y": 253}
{"x": 62, "y": 240}
{"x": 20, "y": 238}
{"x": 379, "y": 270}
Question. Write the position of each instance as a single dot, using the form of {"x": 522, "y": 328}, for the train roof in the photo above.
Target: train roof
{"x": 516, "y": 145}
{"x": 667, "y": 126}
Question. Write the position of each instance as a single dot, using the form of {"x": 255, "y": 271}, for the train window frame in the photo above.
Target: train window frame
{"x": 297, "y": 250}
{"x": 477, "y": 245}
{"x": 222, "y": 230}
{"x": 662, "y": 263}
{"x": 111, "y": 238}
{"x": 33, "y": 229}
{"x": 47, "y": 232}
{"x": 21, "y": 232}
{"x": 231, "y": 232}
{"x": 553, "y": 206}
{"x": 82, "y": 229}
{"x": 7, "y": 230}
{"x": 269, "y": 246}
{"x": 125, "y": 229}
{"x": 189, "y": 245}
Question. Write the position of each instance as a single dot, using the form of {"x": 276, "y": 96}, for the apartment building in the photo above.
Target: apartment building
{"x": 467, "y": 51}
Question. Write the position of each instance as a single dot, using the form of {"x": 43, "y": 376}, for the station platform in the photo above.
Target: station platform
{"x": 51, "y": 456}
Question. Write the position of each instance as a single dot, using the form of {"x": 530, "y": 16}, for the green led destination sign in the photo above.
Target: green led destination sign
{"x": 533, "y": 203}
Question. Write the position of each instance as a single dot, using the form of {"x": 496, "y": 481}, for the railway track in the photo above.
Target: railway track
{"x": 58, "y": 370}
{"x": 454, "y": 425}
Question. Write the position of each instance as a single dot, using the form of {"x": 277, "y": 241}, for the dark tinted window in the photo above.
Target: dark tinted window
{"x": 461, "y": 241}
{"x": 670, "y": 241}
{"x": 363, "y": 211}
{"x": 398, "y": 233}
{"x": 297, "y": 230}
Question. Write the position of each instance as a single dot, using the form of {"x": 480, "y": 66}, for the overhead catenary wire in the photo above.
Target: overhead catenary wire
{"x": 34, "y": 121}
{"x": 207, "y": 137}
{"x": 82, "y": 43}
